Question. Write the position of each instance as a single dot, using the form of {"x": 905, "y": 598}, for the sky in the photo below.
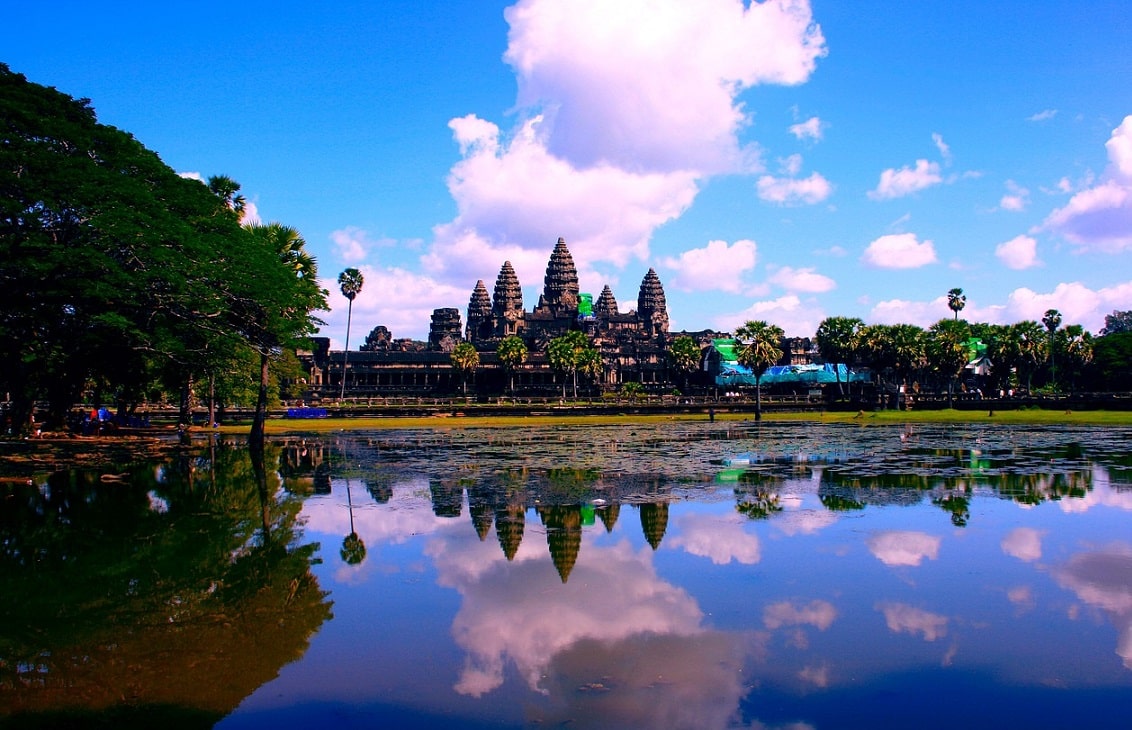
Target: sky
{"x": 782, "y": 161}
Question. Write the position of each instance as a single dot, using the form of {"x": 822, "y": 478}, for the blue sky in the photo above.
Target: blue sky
{"x": 784, "y": 161}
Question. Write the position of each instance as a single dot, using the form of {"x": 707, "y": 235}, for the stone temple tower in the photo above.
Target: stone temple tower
{"x": 560, "y": 287}
{"x": 507, "y": 302}
{"x": 652, "y": 307}
{"x": 479, "y": 315}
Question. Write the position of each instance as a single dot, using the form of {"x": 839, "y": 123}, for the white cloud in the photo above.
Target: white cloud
{"x": 1020, "y": 252}
{"x": 623, "y": 111}
{"x": 1024, "y": 543}
{"x": 647, "y": 84}
{"x": 1042, "y": 115}
{"x": 790, "y": 165}
{"x": 715, "y": 266}
{"x": 191, "y": 176}
{"x": 354, "y": 244}
{"x": 903, "y": 547}
{"x": 904, "y": 619}
{"x": 1016, "y": 198}
{"x": 399, "y": 299}
{"x": 1099, "y": 218}
{"x": 1077, "y": 303}
{"x": 809, "y": 129}
{"x": 802, "y": 280}
{"x": 905, "y": 181}
{"x": 796, "y": 318}
{"x": 899, "y": 251}
{"x": 944, "y": 149}
{"x": 792, "y": 191}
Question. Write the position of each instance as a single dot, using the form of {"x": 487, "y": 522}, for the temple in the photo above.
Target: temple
{"x": 633, "y": 345}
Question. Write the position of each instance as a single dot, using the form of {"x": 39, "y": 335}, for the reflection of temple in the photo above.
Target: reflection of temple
{"x": 633, "y": 344}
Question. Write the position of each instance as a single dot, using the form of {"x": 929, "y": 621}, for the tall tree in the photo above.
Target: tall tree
{"x": 956, "y": 300}
{"x": 275, "y": 307}
{"x": 760, "y": 346}
{"x": 1052, "y": 320}
{"x": 512, "y": 353}
{"x": 1117, "y": 322}
{"x": 350, "y": 282}
{"x": 465, "y": 360}
{"x": 837, "y": 340}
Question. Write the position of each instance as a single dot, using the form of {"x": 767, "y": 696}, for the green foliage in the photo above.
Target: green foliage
{"x": 1117, "y": 323}
{"x": 571, "y": 352}
{"x": 1112, "y": 360}
{"x": 512, "y": 353}
{"x": 465, "y": 360}
{"x": 632, "y": 389}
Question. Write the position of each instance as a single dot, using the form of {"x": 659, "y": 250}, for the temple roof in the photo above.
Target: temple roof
{"x": 508, "y": 294}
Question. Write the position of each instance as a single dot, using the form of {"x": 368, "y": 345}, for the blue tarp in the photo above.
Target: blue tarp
{"x": 306, "y": 413}
{"x": 732, "y": 373}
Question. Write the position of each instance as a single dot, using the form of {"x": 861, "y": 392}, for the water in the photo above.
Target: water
{"x": 674, "y": 576}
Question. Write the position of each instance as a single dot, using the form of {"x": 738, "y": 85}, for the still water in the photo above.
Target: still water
{"x": 689, "y": 575}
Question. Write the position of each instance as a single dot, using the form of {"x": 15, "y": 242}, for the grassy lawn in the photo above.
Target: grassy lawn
{"x": 1036, "y": 417}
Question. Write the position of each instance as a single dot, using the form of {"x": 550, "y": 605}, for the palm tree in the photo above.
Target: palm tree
{"x": 512, "y": 353}
{"x": 956, "y": 301}
{"x": 1076, "y": 345}
{"x": 589, "y": 364}
{"x": 465, "y": 360}
{"x": 1029, "y": 343}
{"x": 836, "y": 337}
{"x": 1052, "y": 320}
{"x": 684, "y": 354}
{"x": 947, "y": 343}
{"x": 760, "y": 346}
{"x": 228, "y": 190}
{"x": 565, "y": 354}
{"x": 350, "y": 282}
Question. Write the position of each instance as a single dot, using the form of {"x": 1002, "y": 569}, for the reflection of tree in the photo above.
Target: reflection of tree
{"x": 838, "y": 503}
{"x": 563, "y": 534}
{"x": 654, "y": 522}
{"x": 569, "y": 483}
{"x": 161, "y": 577}
{"x": 958, "y": 505}
{"x": 756, "y": 498}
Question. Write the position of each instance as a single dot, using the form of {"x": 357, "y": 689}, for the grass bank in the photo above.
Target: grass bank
{"x": 1018, "y": 417}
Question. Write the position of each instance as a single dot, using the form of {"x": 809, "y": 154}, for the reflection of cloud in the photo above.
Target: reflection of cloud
{"x": 904, "y": 619}
{"x": 647, "y": 680}
{"x": 1021, "y": 596}
{"x": 899, "y": 547}
{"x": 1024, "y": 543}
{"x": 722, "y": 539}
{"x": 522, "y": 612}
{"x": 819, "y": 614}
{"x": 1101, "y": 495}
{"x": 805, "y": 522}
{"x": 408, "y": 513}
{"x": 1104, "y": 579}
{"x": 817, "y": 676}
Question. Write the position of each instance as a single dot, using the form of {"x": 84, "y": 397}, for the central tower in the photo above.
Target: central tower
{"x": 560, "y": 287}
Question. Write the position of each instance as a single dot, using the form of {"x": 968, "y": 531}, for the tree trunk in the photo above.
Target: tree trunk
{"x": 211, "y": 399}
{"x": 256, "y": 436}
{"x": 758, "y": 400}
{"x": 185, "y": 416}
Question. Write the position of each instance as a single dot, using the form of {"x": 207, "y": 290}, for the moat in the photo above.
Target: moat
{"x": 683, "y": 575}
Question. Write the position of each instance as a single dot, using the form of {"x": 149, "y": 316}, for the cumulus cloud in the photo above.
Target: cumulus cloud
{"x": 1042, "y": 115}
{"x": 391, "y": 296}
{"x": 1016, "y": 198}
{"x": 905, "y": 181}
{"x": 794, "y": 191}
{"x": 1099, "y": 218}
{"x": 623, "y": 111}
{"x": 718, "y": 265}
{"x": 811, "y": 129}
{"x": 904, "y": 619}
{"x": 353, "y": 244}
{"x": 1077, "y": 303}
{"x": 1024, "y": 543}
{"x": 1020, "y": 252}
{"x": 903, "y": 547}
{"x": 899, "y": 251}
{"x": 795, "y": 317}
{"x": 802, "y": 280}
